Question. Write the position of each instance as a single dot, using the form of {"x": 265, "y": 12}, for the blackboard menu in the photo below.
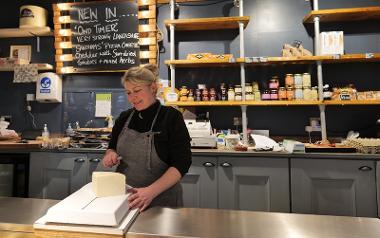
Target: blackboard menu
{"x": 105, "y": 36}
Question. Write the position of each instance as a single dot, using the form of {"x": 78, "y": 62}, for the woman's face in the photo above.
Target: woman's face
{"x": 139, "y": 95}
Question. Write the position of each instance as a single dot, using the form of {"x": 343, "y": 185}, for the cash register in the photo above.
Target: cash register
{"x": 201, "y": 133}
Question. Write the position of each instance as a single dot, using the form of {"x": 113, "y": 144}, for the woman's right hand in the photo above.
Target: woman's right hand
{"x": 110, "y": 158}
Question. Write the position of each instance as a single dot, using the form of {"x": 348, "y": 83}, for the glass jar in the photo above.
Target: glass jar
{"x": 231, "y": 94}
{"x": 249, "y": 96}
{"x": 274, "y": 83}
{"x": 205, "y": 95}
{"x": 256, "y": 95}
{"x": 238, "y": 88}
{"x": 238, "y": 96}
{"x": 298, "y": 93}
{"x": 297, "y": 80}
{"x": 290, "y": 93}
{"x": 212, "y": 94}
{"x": 248, "y": 88}
{"x": 306, "y": 80}
{"x": 255, "y": 86}
{"x": 307, "y": 93}
{"x": 326, "y": 92}
{"x": 265, "y": 95}
{"x": 191, "y": 95}
{"x": 183, "y": 94}
{"x": 273, "y": 94}
{"x": 289, "y": 80}
{"x": 223, "y": 92}
{"x": 314, "y": 93}
{"x": 282, "y": 93}
{"x": 198, "y": 95}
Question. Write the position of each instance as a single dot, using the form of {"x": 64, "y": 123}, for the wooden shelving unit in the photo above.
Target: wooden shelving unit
{"x": 344, "y": 14}
{"x": 369, "y": 57}
{"x": 25, "y": 32}
{"x": 352, "y": 102}
{"x": 214, "y": 23}
{"x": 40, "y": 67}
{"x": 244, "y": 103}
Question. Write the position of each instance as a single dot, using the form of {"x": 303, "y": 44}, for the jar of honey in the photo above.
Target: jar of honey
{"x": 282, "y": 93}
{"x": 289, "y": 80}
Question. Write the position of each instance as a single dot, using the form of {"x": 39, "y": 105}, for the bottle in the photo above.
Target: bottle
{"x": 45, "y": 137}
{"x": 69, "y": 130}
{"x": 45, "y": 132}
{"x": 326, "y": 92}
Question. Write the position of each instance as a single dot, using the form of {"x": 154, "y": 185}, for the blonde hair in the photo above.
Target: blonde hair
{"x": 145, "y": 75}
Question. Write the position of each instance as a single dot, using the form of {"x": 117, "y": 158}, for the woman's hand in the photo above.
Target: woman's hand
{"x": 141, "y": 197}
{"x": 110, "y": 158}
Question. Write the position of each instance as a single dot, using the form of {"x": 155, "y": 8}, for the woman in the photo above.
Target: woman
{"x": 152, "y": 141}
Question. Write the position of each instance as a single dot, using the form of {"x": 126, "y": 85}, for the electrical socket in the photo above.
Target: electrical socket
{"x": 30, "y": 97}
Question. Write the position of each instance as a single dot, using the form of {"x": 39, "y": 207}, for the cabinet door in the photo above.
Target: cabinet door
{"x": 56, "y": 175}
{"x": 256, "y": 184}
{"x": 200, "y": 183}
{"x": 333, "y": 187}
{"x": 95, "y": 164}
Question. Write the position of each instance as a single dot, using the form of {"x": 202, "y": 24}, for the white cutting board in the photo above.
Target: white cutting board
{"x": 84, "y": 208}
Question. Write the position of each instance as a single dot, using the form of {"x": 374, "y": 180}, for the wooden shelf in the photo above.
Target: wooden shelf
{"x": 352, "y": 102}
{"x": 242, "y": 103}
{"x": 369, "y": 57}
{"x": 344, "y": 14}
{"x": 214, "y": 23}
{"x": 25, "y": 32}
{"x": 39, "y": 65}
{"x": 202, "y": 63}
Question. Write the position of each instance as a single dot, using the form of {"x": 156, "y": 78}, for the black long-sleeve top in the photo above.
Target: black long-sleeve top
{"x": 172, "y": 144}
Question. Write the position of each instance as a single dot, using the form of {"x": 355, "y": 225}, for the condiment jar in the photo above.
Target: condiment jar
{"x": 265, "y": 95}
{"x": 191, "y": 95}
{"x": 289, "y": 80}
{"x": 238, "y": 88}
{"x": 273, "y": 94}
{"x": 256, "y": 95}
{"x": 238, "y": 96}
{"x": 255, "y": 86}
{"x": 183, "y": 94}
{"x": 298, "y": 93}
{"x": 307, "y": 93}
{"x": 297, "y": 80}
{"x": 282, "y": 93}
{"x": 231, "y": 94}
{"x": 306, "y": 80}
{"x": 314, "y": 93}
{"x": 212, "y": 94}
{"x": 198, "y": 95}
{"x": 248, "y": 88}
{"x": 249, "y": 96}
{"x": 326, "y": 92}
{"x": 290, "y": 93}
{"x": 274, "y": 83}
{"x": 223, "y": 92}
{"x": 205, "y": 95}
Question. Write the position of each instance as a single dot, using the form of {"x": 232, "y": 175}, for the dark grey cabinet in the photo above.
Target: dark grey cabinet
{"x": 240, "y": 183}
{"x": 200, "y": 183}
{"x": 256, "y": 184}
{"x": 57, "y": 175}
{"x": 378, "y": 187}
{"x": 334, "y": 187}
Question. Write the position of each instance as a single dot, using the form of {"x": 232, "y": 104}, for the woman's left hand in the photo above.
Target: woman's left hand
{"x": 141, "y": 197}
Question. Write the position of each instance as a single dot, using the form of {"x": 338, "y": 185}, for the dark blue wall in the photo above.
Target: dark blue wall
{"x": 273, "y": 23}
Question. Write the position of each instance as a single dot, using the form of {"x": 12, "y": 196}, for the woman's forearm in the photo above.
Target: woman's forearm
{"x": 167, "y": 180}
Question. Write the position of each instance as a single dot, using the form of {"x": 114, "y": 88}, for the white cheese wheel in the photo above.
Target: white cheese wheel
{"x": 108, "y": 184}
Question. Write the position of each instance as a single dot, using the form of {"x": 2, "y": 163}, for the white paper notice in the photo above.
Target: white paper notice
{"x": 103, "y": 104}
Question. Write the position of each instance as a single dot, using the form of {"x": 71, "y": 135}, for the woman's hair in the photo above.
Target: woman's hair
{"x": 144, "y": 75}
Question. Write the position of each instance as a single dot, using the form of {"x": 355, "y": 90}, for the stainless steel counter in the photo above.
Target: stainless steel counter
{"x": 18, "y": 215}
{"x": 191, "y": 222}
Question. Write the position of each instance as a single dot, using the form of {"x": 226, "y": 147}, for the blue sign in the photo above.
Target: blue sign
{"x": 45, "y": 82}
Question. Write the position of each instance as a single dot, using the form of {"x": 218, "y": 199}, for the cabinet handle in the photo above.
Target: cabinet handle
{"x": 365, "y": 168}
{"x": 79, "y": 160}
{"x": 208, "y": 164}
{"x": 95, "y": 160}
{"x": 226, "y": 165}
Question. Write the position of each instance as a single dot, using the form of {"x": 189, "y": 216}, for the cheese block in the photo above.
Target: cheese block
{"x": 106, "y": 184}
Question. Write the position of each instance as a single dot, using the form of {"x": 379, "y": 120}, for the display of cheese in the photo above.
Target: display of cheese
{"x": 106, "y": 184}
